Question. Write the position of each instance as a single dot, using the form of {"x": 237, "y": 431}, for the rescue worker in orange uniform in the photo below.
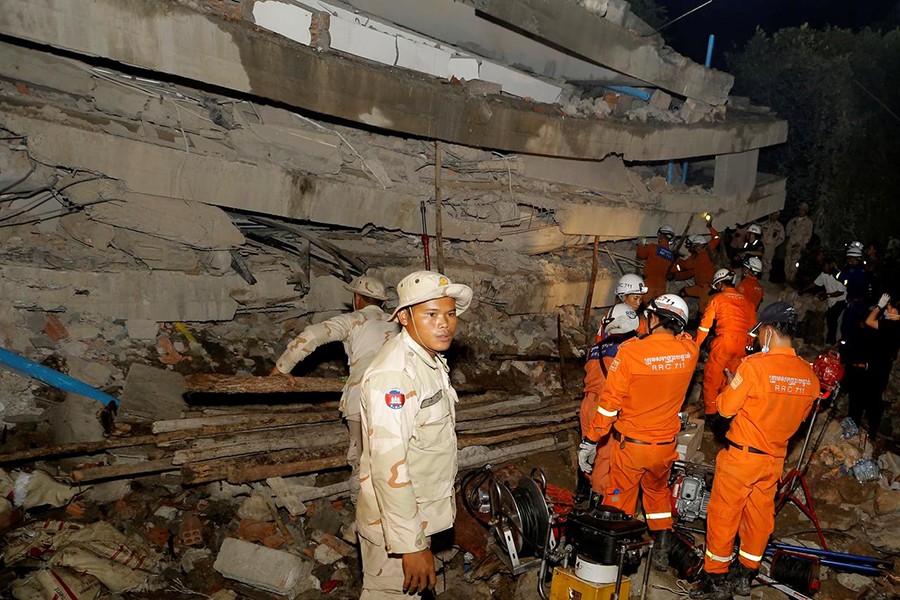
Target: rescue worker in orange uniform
{"x": 749, "y": 287}
{"x": 620, "y": 324}
{"x": 733, "y": 317}
{"x": 699, "y": 266}
{"x": 645, "y": 389}
{"x": 657, "y": 259}
{"x": 769, "y": 396}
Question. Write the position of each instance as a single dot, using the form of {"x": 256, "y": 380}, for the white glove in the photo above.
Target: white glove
{"x": 587, "y": 452}
{"x": 642, "y": 241}
{"x": 883, "y": 301}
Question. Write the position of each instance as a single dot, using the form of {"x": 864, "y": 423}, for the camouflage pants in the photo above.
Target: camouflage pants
{"x": 382, "y": 573}
{"x": 354, "y": 428}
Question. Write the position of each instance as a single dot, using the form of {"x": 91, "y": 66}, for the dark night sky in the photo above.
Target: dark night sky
{"x": 734, "y": 21}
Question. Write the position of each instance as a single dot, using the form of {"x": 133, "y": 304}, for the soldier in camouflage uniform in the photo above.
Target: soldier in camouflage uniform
{"x": 363, "y": 332}
{"x": 408, "y": 462}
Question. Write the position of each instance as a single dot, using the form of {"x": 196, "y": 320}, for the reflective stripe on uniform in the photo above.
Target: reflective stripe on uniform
{"x": 667, "y": 515}
{"x": 749, "y": 556}
{"x": 607, "y": 413}
{"x": 706, "y": 329}
{"x": 719, "y": 558}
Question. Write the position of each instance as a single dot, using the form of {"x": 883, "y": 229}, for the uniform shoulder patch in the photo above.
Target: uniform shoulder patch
{"x": 614, "y": 365}
{"x": 737, "y": 381}
{"x": 395, "y": 399}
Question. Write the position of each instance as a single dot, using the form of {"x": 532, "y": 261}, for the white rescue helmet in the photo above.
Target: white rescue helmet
{"x": 667, "y": 231}
{"x": 856, "y": 244}
{"x": 753, "y": 264}
{"x": 755, "y": 229}
{"x": 697, "y": 240}
{"x": 631, "y": 284}
{"x": 620, "y": 319}
{"x": 854, "y": 252}
{"x": 723, "y": 275}
{"x": 671, "y": 308}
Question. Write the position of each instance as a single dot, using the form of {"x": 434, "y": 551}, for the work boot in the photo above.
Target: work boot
{"x": 659, "y": 556}
{"x": 713, "y": 586}
{"x": 740, "y": 577}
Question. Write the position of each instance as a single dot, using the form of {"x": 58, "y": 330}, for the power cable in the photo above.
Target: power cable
{"x": 676, "y": 19}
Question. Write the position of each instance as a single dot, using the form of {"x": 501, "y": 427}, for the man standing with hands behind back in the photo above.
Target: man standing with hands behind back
{"x": 408, "y": 463}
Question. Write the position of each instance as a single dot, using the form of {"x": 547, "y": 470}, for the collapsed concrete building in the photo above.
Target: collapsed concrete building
{"x": 187, "y": 183}
{"x": 143, "y": 140}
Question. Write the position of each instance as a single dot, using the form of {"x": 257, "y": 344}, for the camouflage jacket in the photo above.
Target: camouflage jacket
{"x": 363, "y": 333}
{"x": 408, "y": 463}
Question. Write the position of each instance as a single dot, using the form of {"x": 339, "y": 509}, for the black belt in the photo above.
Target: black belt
{"x": 750, "y": 449}
{"x": 627, "y": 440}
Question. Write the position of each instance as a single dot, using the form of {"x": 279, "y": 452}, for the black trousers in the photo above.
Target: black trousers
{"x": 831, "y": 321}
{"x": 865, "y": 393}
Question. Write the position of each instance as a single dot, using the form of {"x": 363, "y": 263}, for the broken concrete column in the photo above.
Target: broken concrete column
{"x": 735, "y": 176}
{"x": 260, "y": 567}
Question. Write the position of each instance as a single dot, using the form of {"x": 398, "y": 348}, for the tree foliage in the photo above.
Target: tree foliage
{"x": 838, "y": 90}
{"x": 650, "y": 12}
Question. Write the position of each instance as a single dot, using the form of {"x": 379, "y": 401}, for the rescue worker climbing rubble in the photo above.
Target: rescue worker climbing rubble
{"x": 363, "y": 332}
{"x": 699, "y": 266}
{"x": 657, "y": 259}
{"x": 769, "y": 396}
{"x": 620, "y": 324}
{"x": 639, "y": 408}
{"x": 733, "y": 316}
{"x": 408, "y": 463}
{"x": 750, "y": 287}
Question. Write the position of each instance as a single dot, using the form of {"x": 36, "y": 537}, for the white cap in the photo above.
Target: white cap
{"x": 422, "y": 286}
{"x": 755, "y": 229}
{"x": 368, "y": 287}
{"x": 698, "y": 239}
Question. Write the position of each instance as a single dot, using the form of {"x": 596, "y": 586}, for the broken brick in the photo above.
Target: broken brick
{"x": 255, "y": 531}
{"x": 191, "y": 534}
{"x": 54, "y": 328}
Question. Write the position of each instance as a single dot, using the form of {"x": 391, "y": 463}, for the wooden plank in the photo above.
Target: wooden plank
{"x": 144, "y": 467}
{"x": 244, "y": 422}
{"x": 215, "y": 383}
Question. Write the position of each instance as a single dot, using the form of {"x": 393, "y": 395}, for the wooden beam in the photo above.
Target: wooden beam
{"x": 215, "y": 383}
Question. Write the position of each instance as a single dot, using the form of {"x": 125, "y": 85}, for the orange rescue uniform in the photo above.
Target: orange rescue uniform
{"x": 644, "y": 391}
{"x": 657, "y": 260}
{"x": 699, "y": 266}
{"x": 770, "y": 396}
{"x": 734, "y": 317}
{"x": 751, "y": 289}
{"x": 594, "y": 382}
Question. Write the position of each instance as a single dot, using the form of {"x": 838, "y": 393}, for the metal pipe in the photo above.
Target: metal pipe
{"x": 684, "y": 172}
{"x": 630, "y": 91}
{"x": 670, "y": 174}
{"x": 889, "y": 564}
{"x": 542, "y": 572}
{"x": 53, "y": 378}
{"x": 709, "y": 49}
{"x": 622, "y": 550}
{"x": 646, "y": 578}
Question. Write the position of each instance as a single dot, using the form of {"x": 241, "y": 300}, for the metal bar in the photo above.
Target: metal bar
{"x": 53, "y": 378}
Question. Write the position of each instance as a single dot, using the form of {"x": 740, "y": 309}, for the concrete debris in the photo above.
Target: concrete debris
{"x": 274, "y": 571}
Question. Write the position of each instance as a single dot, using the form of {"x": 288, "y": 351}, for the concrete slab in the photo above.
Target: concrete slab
{"x": 569, "y": 26}
{"x": 163, "y": 172}
{"x": 152, "y": 394}
{"x": 172, "y": 38}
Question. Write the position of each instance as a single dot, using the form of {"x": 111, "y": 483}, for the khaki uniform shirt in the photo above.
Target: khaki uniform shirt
{"x": 408, "y": 463}
{"x": 363, "y": 333}
{"x": 799, "y": 231}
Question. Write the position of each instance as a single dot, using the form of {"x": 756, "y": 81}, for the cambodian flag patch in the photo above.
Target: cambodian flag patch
{"x": 395, "y": 399}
